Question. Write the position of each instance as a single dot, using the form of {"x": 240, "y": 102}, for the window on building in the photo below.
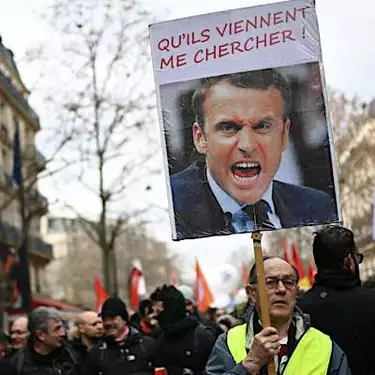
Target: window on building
{"x": 16, "y": 124}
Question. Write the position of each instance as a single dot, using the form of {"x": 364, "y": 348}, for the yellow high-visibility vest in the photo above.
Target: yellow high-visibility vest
{"x": 310, "y": 357}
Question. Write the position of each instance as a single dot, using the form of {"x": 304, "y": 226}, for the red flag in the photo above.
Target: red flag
{"x": 8, "y": 263}
{"x": 100, "y": 292}
{"x": 312, "y": 272}
{"x": 134, "y": 280}
{"x": 297, "y": 262}
{"x": 245, "y": 273}
{"x": 203, "y": 292}
{"x": 286, "y": 254}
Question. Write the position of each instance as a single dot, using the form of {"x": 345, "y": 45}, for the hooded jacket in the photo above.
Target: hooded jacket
{"x": 185, "y": 343}
{"x": 185, "y": 346}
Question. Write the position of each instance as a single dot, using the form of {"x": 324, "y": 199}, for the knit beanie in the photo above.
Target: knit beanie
{"x": 114, "y": 306}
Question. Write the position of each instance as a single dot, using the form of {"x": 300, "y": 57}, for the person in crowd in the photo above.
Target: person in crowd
{"x": 226, "y": 322}
{"x": 88, "y": 332}
{"x": 189, "y": 296}
{"x": 123, "y": 350}
{"x": 185, "y": 343}
{"x": 337, "y": 304}
{"x": 145, "y": 319}
{"x": 296, "y": 347}
{"x": 4, "y": 344}
{"x": 192, "y": 309}
{"x": 47, "y": 351}
{"x": 19, "y": 334}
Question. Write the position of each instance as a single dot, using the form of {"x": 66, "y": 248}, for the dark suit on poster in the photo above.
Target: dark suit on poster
{"x": 198, "y": 214}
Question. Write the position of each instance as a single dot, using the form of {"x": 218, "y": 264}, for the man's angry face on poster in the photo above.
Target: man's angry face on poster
{"x": 244, "y": 132}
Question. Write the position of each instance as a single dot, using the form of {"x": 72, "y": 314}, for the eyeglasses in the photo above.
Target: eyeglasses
{"x": 358, "y": 257}
{"x": 273, "y": 282}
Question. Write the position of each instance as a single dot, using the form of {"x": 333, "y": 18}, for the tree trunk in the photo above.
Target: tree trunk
{"x": 106, "y": 271}
{"x": 114, "y": 278}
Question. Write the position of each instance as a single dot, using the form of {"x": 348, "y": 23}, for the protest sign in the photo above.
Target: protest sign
{"x": 246, "y": 136}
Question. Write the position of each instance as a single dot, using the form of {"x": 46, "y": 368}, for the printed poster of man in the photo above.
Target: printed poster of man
{"x": 245, "y": 128}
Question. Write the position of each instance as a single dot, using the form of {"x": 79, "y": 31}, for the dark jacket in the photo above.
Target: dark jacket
{"x": 80, "y": 349}
{"x": 344, "y": 311}
{"x": 6, "y": 368}
{"x": 185, "y": 346}
{"x": 135, "y": 355}
{"x": 62, "y": 361}
{"x": 221, "y": 361}
{"x": 198, "y": 214}
{"x": 215, "y": 328}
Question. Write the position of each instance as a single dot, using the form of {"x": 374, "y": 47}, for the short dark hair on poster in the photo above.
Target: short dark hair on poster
{"x": 255, "y": 79}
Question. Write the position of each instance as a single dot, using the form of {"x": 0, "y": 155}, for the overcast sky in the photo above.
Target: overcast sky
{"x": 346, "y": 29}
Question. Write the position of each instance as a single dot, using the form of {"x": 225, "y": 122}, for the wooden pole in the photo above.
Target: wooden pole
{"x": 263, "y": 299}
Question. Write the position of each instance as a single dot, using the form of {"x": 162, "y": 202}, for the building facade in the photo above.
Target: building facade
{"x": 357, "y": 186}
{"x": 16, "y": 111}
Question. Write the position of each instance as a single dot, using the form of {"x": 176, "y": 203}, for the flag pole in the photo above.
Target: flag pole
{"x": 263, "y": 299}
{"x": 23, "y": 253}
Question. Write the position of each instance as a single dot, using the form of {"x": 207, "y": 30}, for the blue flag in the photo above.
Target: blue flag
{"x": 17, "y": 162}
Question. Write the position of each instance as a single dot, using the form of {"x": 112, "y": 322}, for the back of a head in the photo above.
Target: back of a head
{"x": 187, "y": 292}
{"x": 331, "y": 245}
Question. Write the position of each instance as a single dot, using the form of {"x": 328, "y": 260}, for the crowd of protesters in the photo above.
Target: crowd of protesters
{"x": 327, "y": 330}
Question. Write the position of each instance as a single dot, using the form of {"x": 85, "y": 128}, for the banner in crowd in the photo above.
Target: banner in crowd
{"x": 245, "y": 132}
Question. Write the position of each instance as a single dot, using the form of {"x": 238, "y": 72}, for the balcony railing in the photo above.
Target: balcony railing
{"x": 18, "y": 97}
{"x": 41, "y": 200}
{"x": 33, "y": 154}
{"x": 6, "y": 180}
{"x": 13, "y": 236}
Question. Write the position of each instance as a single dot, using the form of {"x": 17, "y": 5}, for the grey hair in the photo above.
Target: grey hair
{"x": 39, "y": 318}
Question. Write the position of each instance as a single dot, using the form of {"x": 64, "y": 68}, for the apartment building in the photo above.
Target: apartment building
{"x": 15, "y": 110}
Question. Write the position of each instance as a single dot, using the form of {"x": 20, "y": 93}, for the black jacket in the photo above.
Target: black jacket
{"x": 185, "y": 346}
{"x": 6, "y": 368}
{"x": 80, "y": 349}
{"x": 198, "y": 214}
{"x": 61, "y": 362}
{"x": 345, "y": 311}
{"x": 135, "y": 355}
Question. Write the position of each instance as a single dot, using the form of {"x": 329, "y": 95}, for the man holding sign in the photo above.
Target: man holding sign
{"x": 290, "y": 341}
{"x": 242, "y": 126}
